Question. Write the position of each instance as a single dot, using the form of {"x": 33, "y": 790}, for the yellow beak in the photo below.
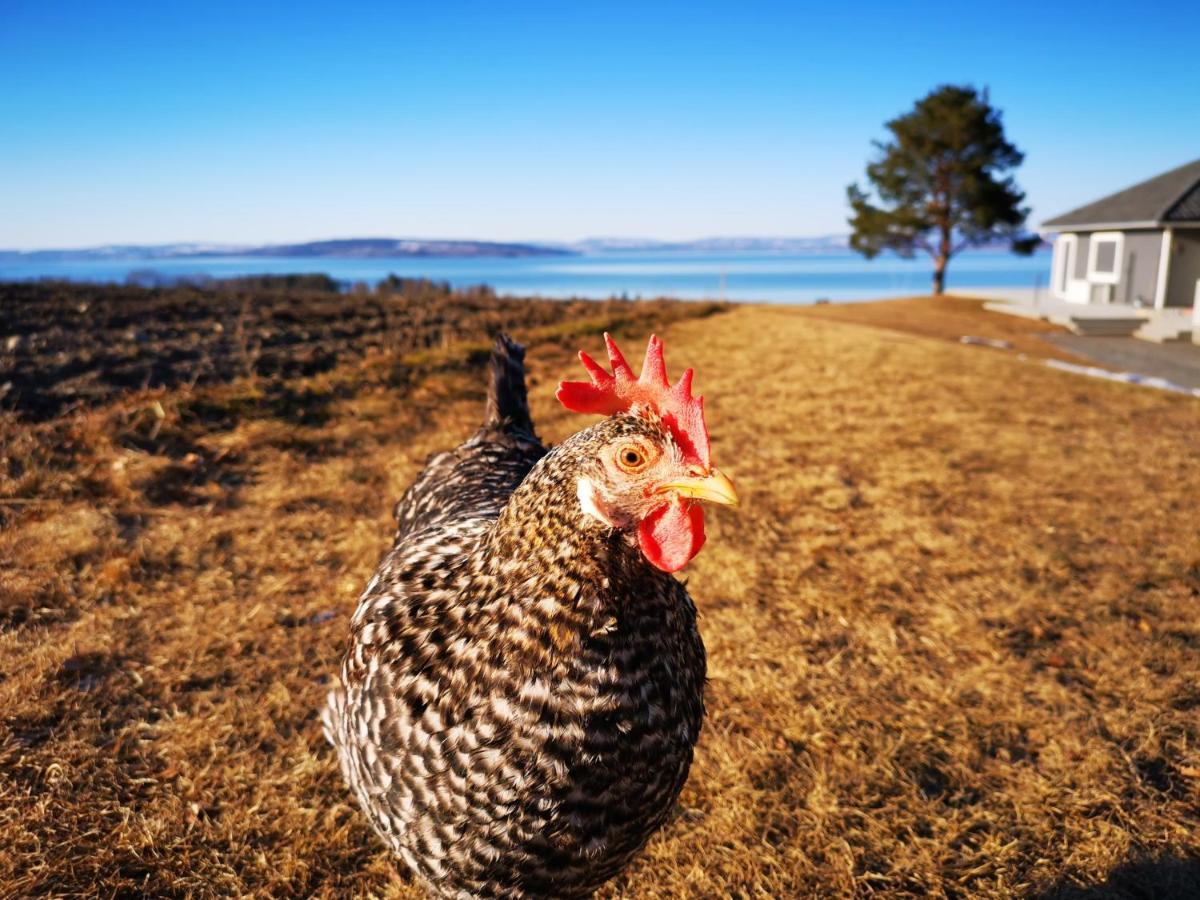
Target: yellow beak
{"x": 714, "y": 487}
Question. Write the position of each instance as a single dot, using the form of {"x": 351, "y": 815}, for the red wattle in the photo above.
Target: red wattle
{"x": 672, "y": 534}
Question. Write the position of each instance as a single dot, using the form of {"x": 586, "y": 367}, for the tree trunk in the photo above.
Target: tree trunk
{"x": 943, "y": 256}
{"x": 939, "y": 276}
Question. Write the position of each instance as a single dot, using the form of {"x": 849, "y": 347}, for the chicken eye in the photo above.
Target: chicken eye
{"x": 631, "y": 458}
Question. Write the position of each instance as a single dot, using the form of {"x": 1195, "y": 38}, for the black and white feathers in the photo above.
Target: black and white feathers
{"x": 522, "y": 691}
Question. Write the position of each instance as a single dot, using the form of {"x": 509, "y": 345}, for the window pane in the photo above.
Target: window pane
{"x": 1106, "y": 257}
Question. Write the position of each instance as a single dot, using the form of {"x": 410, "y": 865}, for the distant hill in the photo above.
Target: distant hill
{"x": 353, "y": 248}
{"x": 390, "y": 247}
{"x": 827, "y": 243}
{"x": 820, "y": 244}
{"x": 366, "y": 248}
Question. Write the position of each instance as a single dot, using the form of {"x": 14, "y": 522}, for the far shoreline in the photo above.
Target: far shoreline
{"x": 775, "y": 278}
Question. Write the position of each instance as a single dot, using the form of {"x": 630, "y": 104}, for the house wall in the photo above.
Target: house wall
{"x": 1185, "y": 268}
{"x": 1139, "y": 276}
{"x": 1138, "y": 270}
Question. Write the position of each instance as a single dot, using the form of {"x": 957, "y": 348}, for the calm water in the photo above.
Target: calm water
{"x": 777, "y": 278}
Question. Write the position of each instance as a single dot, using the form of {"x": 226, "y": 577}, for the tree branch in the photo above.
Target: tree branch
{"x": 920, "y": 242}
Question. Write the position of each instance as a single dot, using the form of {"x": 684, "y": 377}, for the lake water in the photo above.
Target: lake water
{"x": 769, "y": 277}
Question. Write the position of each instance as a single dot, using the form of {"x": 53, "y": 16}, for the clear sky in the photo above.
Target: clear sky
{"x": 172, "y": 121}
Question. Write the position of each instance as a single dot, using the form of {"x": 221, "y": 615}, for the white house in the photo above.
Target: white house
{"x": 1139, "y": 247}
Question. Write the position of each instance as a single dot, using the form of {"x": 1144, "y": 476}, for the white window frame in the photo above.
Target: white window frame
{"x": 1094, "y": 241}
{"x": 1066, "y": 249}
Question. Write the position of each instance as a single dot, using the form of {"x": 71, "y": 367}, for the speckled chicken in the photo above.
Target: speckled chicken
{"x": 523, "y": 685}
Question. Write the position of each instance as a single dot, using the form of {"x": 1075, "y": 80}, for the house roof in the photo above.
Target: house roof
{"x": 1170, "y": 197}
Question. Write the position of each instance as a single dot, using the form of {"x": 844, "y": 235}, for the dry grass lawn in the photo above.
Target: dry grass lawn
{"x": 953, "y": 632}
{"x": 949, "y": 318}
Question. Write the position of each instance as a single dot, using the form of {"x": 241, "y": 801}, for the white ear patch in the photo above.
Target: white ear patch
{"x": 591, "y": 504}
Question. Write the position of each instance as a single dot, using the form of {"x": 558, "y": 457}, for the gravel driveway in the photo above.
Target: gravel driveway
{"x": 1178, "y": 361}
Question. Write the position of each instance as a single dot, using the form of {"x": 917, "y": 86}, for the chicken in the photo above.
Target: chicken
{"x": 523, "y": 685}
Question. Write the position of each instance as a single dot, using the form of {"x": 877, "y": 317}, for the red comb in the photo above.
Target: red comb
{"x": 607, "y": 394}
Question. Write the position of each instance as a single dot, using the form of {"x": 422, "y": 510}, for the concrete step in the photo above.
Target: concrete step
{"x": 1178, "y": 337}
{"x": 1166, "y": 328}
{"x": 1106, "y": 327}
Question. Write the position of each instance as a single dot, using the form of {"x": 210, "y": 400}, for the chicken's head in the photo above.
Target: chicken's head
{"x": 652, "y": 460}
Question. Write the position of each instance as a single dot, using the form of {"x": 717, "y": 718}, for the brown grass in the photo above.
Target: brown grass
{"x": 952, "y": 631}
{"x": 949, "y": 318}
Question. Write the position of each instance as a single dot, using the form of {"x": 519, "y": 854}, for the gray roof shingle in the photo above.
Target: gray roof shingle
{"x": 1171, "y": 197}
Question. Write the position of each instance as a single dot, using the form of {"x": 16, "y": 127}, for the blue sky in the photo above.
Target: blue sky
{"x": 157, "y": 122}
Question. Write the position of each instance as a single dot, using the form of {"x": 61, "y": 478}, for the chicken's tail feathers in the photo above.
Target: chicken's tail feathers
{"x": 507, "y": 401}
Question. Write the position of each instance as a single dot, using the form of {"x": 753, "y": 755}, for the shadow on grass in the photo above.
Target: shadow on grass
{"x": 1152, "y": 879}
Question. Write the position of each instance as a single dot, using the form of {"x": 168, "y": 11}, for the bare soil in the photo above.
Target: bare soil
{"x": 953, "y": 630}
{"x": 65, "y": 347}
